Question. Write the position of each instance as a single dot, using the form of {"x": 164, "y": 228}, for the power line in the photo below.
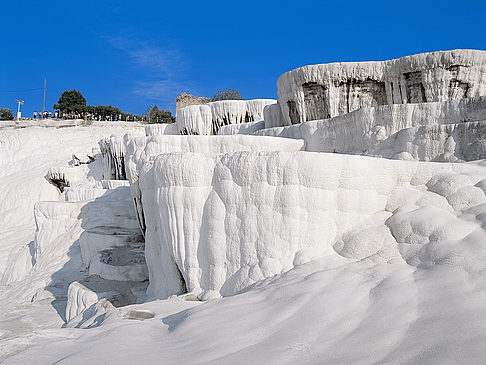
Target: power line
{"x": 44, "y": 103}
{"x": 20, "y": 90}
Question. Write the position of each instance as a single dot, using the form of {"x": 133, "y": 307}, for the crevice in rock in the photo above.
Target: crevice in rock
{"x": 458, "y": 89}
{"x": 293, "y": 114}
{"x": 187, "y": 132}
{"x": 140, "y": 215}
{"x": 113, "y": 157}
{"x": 60, "y": 184}
{"x": 183, "y": 287}
{"x": 415, "y": 88}
{"x": 316, "y": 103}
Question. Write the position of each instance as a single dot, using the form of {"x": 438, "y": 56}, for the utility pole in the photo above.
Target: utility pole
{"x": 44, "y": 103}
{"x": 19, "y": 102}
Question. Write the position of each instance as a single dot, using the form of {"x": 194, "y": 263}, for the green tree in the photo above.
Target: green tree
{"x": 106, "y": 111}
{"x": 131, "y": 117}
{"x": 227, "y": 94}
{"x": 71, "y": 101}
{"x": 156, "y": 115}
{"x": 6, "y": 114}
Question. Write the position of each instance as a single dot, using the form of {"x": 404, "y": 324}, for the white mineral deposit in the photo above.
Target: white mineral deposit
{"x": 343, "y": 223}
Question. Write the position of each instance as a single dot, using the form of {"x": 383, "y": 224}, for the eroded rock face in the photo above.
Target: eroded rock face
{"x": 328, "y": 90}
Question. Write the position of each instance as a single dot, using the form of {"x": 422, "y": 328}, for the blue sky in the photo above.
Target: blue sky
{"x": 133, "y": 54}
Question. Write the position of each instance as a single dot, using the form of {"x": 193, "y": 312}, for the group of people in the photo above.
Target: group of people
{"x": 89, "y": 116}
{"x": 44, "y": 115}
{"x": 98, "y": 117}
{"x": 86, "y": 116}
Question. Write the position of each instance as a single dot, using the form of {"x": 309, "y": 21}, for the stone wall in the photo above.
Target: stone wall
{"x": 184, "y": 100}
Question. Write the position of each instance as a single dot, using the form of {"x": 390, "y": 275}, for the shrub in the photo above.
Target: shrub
{"x": 227, "y": 94}
{"x": 6, "y": 114}
{"x": 156, "y": 115}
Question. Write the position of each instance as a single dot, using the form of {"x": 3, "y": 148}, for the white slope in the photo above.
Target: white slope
{"x": 405, "y": 285}
{"x": 26, "y": 155}
{"x": 327, "y": 311}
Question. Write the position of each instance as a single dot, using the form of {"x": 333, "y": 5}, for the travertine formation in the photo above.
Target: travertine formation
{"x": 113, "y": 152}
{"x": 325, "y": 91}
{"x": 217, "y": 219}
{"x": 209, "y": 118}
{"x": 219, "y": 223}
{"x": 141, "y": 153}
{"x": 160, "y": 129}
{"x": 79, "y": 298}
{"x": 423, "y": 131}
{"x": 329, "y": 233}
{"x": 273, "y": 115}
{"x": 242, "y": 128}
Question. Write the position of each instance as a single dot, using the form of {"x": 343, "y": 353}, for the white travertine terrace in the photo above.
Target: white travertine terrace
{"x": 218, "y": 223}
{"x": 142, "y": 151}
{"x": 241, "y": 128}
{"x": 327, "y": 90}
{"x": 387, "y": 131}
{"x": 273, "y": 115}
{"x": 208, "y": 118}
{"x": 161, "y": 129}
{"x": 194, "y": 119}
{"x": 77, "y": 194}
